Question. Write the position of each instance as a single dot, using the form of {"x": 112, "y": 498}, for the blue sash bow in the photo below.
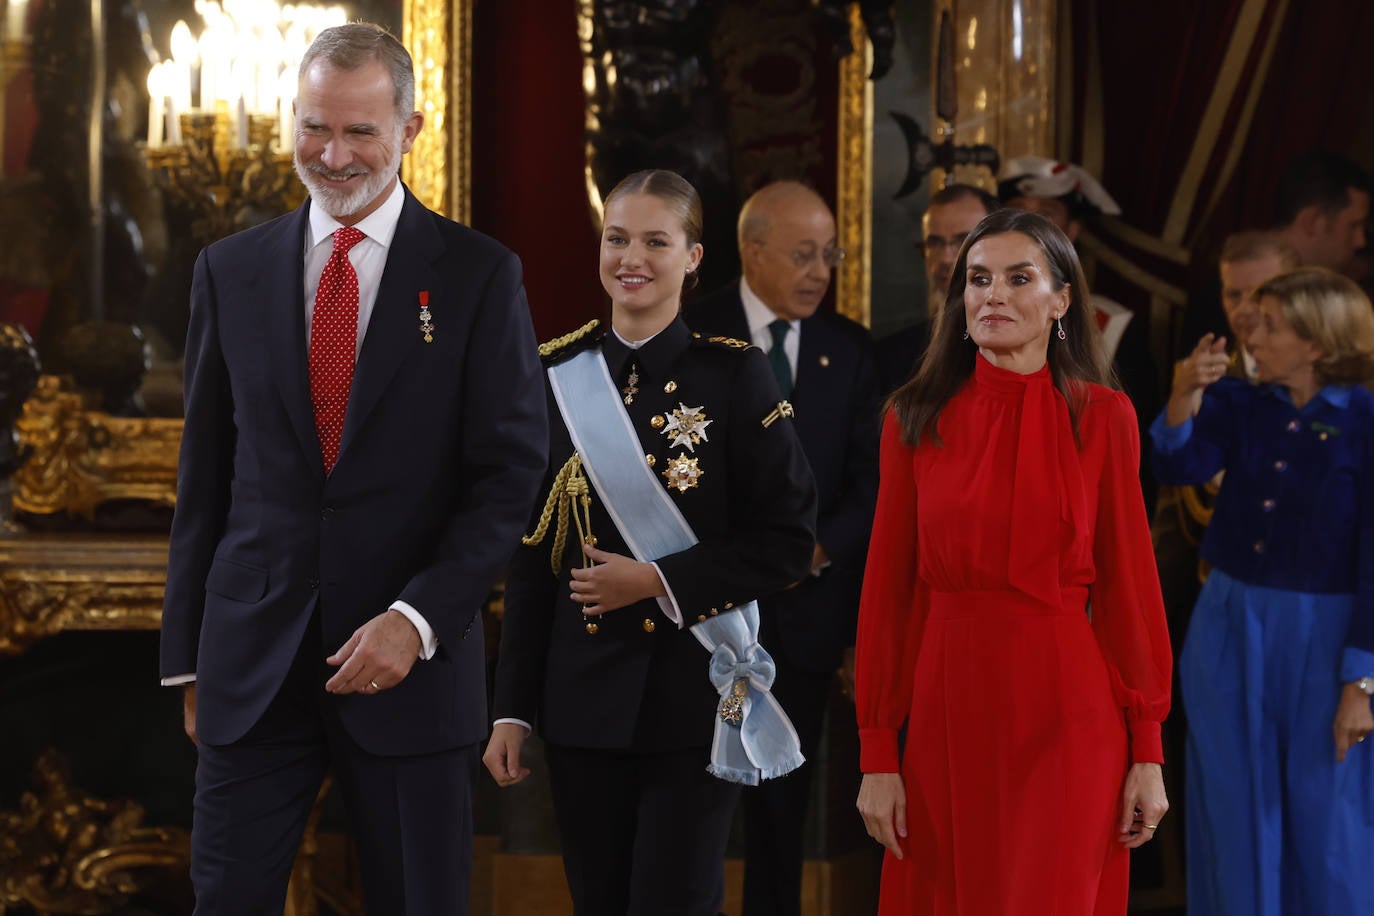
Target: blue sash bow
{"x": 754, "y": 739}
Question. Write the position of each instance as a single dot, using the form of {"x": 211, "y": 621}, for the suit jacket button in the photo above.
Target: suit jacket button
{"x": 701, "y": 618}
{"x": 648, "y": 625}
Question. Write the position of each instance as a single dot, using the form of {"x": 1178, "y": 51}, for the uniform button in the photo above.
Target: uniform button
{"x": 314, "y": 582}
{"x": 1259, "y": 547}
{"x": 1294, "y": 426}
{"x": 657, "y": 421}
{"x": 1280, "y": 465}
{"x": 1268, "y": 505}
{"x": 1321, "y": 436}
{"x": 649, "y": 460}
{"x": 701, "y": 618}
{"x": 670, "y": 387}
{"x": 714, "y": 612}
{"x": 648, "y": 625}
{"x": 729, "y": 604}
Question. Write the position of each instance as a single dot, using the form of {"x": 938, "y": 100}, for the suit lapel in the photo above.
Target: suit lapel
{"x": 813, "y": 363}
{"x": 734, "y": 322}
{"x": 393, "y": 332}
{"x": 282, "y": 276}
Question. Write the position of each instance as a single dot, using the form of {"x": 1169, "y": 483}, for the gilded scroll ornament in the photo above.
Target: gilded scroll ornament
{"x": 82, "y": 458}
{"x": 64, "y": 851}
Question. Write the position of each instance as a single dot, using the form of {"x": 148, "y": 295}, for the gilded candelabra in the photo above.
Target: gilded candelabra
{"x": 225, "y": 189}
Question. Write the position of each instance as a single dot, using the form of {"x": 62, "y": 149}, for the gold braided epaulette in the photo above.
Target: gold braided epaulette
{"x": 734, "y": 343}
{"x": 554, "y": 350}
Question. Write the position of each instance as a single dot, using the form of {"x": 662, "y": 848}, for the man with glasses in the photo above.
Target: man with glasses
{"x": 824, "y": 368}
{"x": 949, "y": 218}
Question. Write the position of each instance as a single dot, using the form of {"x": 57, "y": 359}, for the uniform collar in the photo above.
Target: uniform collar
{"x": 654, "y": 356}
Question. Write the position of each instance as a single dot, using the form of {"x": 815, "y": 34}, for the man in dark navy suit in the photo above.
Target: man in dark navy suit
{"x": 365, "y": 432}
{"x": 824, "y": 366}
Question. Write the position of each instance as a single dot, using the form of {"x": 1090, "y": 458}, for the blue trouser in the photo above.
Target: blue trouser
{"x": 1275, "y": 826}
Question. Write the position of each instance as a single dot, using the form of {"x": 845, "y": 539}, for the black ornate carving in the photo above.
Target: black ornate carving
{"x": 878, "y": 22}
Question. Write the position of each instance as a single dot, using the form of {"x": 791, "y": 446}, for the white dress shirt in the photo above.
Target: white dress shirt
{"x": 368, "y": 258}
{"x": 760, "y": 316}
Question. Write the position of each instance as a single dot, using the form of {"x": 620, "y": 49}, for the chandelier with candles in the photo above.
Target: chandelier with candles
{"x": 220, "y": 123}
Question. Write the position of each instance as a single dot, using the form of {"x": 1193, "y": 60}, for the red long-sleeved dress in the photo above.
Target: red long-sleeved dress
{"x": 1012, "y": 616}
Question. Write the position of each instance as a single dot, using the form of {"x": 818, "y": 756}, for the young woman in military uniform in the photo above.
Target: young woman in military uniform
{"x": 597, "y": 650}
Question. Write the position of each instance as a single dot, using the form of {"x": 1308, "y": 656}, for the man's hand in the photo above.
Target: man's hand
{"x": 503, "y": 753}
{"x": 188, "y": 711}
{"x": 616, "y": 581}
{"x": 377, "y": 656}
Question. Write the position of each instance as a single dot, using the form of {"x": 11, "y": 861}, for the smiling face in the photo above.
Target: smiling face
{"x": 1281, "y": 356}
{"x": 1011, "y": 300}
{"x": 349, "y": 139}
{"x": 1239, "y": 280}
{"x": 645, "y": 256}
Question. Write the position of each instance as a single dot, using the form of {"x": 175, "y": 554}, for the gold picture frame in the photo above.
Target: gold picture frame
{"x": 83, "y": 458}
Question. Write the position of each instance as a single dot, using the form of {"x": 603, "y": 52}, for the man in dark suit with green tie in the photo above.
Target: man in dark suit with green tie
{"x": 825, "y": 367}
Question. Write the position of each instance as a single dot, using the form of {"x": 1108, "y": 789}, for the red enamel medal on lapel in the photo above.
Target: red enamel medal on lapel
{"x": 426, "y": 324}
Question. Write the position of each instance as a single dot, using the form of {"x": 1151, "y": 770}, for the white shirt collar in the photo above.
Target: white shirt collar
{"x": 758, "y": 314}
{"x": 634, "y": 344}
{"x": 379, "y": 225}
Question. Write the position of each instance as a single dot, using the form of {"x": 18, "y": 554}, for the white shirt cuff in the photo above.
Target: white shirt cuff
{"x": 429, "y": 643}
{"x": 178, "y": 680}
{"x": 516, "y": 722}
{"x": 668, "y": 603}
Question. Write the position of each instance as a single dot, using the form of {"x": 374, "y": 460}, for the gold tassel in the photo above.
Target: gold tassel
{"x": 570, "y": 494}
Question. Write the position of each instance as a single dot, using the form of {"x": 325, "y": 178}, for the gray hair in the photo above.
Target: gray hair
{"x": 348, "y": 47}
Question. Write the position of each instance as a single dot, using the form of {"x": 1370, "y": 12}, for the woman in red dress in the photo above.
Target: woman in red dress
{"x": 1011, "y": 612}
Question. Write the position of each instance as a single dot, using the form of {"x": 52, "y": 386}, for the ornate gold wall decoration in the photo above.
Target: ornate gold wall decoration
{"x": 438, "y": 35}
{"x": 53, "y": 583}
{"x": 82, "y": 458}
{"x": 64, "y": 851}
{"x": 854, "y": 204}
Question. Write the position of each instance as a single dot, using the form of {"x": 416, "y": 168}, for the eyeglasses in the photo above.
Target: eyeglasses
{"x": 940, "y": 243}
{"x": 831, "y": 256}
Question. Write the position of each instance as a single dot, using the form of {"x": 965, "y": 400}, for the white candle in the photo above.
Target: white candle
{"x": 241, "y": 127}
{"x": 173, "y": 120}
{"x": 156, "y": 106}
{"x": 16, "y": 13}
{"x": 286, "y": 111}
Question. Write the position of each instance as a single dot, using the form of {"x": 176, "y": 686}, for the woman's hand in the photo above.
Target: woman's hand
{"x": 1354, "y": 720}
{"x": 1207, "y": 363}
{"x": 1143, "y": 804}
{"x": 882, "y": 803}
{"x": 615, "y": 582}
{"x": 502, "y": 758}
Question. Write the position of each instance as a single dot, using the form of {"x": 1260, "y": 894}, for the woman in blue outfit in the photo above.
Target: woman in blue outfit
{"x": 1278, "y": 666}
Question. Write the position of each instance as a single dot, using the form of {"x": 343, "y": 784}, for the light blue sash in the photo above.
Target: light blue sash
{"x": 754, "y": 739}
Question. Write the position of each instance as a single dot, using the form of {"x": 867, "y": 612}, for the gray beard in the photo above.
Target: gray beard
{"x": 340, "y": 204}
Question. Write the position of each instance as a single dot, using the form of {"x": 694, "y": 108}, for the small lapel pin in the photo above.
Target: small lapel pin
{"x": 426, "y": 322}
{"x": 825, "y": 360}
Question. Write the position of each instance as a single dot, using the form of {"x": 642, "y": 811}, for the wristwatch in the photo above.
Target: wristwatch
{"x": 1366, "y": 684}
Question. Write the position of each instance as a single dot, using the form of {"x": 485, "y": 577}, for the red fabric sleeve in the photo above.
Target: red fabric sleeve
{"x": 892, "y": 611}
{"x": 1127, "y": 607}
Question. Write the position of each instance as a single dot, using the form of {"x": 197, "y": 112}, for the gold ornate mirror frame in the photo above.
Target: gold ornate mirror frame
{"x": 83, "y": 458}
{"x": 854, "y": 182}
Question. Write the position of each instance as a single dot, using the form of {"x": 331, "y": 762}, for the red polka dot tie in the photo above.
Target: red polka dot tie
{"x": 334, "y": 343}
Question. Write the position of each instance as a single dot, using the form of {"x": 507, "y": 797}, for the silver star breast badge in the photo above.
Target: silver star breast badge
{"x": 686, "y": 426}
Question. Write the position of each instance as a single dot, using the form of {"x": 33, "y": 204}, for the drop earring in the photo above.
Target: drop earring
{"x": 965, "y": 333}
{"x": 1060, "y": 324}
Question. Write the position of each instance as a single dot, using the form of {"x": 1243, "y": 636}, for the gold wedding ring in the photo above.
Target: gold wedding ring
{"x": 1151, "y": 826}
{"x": 374, "y": 685}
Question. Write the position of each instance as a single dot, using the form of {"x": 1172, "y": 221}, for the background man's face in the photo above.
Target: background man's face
{"x": 945, "y": 226}
{"x": 788, "y": 270}
{"x": 1342, "y": 234}
{"x": 1239, "y": 280}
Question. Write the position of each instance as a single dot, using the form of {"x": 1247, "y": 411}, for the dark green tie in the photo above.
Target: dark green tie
{"x": 777, "y": 356}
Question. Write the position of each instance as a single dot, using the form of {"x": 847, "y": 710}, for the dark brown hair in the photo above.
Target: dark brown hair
{"x": 1074, "y": 362}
